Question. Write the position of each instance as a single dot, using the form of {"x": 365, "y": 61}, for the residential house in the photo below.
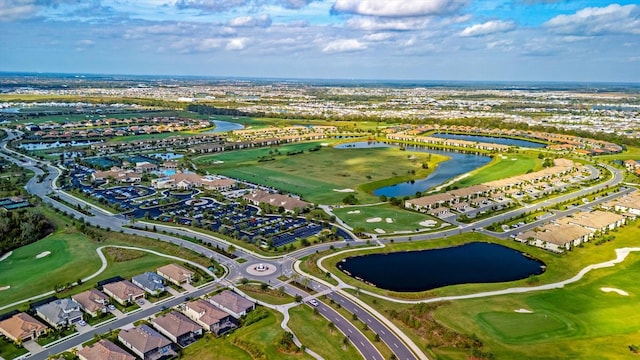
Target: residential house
{"x": 92, "y": 301}
{"x": 104, "y": 350}
{"x": 555, "y": 237}
{"x": 147, "y": 343}
{"x": 61, "y": 312}
{"x": 209, "y": 316}
{"x": 597, "y": 220}
{"x": 628, "y": 204}
{"x": 123, "y": 291}
{"x": 22, "y": 327}
{"x": 177, "y": 327}
{"x": 232, "y": 303}
{"x": 145, "y": 166}
{"x": 289, "y": 203}
{"x": 176, "y": 274}
{"x": 429, "y": 202}
{"x": 149, "y": 282}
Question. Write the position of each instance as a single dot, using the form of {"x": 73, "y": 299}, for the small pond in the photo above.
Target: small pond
{"x": 224, "y": 126}
{"x": 413, "y": 271}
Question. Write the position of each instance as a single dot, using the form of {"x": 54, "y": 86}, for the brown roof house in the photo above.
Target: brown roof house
{"x": 175, "y": 274}
{"x": 232, "y": 303}
{"x": 92, "y": 301}
{"x": 22, "y": 327}
{"x": 209, "y": 316}
{"x": 555, "y": 237}
{"x": 104, "y": 350}
{"x": 178, "y": 328}
{"x": 123, "y": 291}
{"x": 147, "y": 343}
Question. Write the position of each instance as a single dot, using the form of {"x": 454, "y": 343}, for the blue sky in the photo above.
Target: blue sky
{"x": 538, "y": 40}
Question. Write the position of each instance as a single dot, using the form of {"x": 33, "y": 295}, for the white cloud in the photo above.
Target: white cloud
{"x": 344, "y": 45}
{"x": 378, "y": 24}
{"x": 237, "y": 44}
{"x": 612, "y": 19}
{"x": 263, "y": 21}
{"x": 398, "y": 8}
{"x": 377, "y": 37}
{"x": 489, "y": 27}
{"x": 85, "y": 42}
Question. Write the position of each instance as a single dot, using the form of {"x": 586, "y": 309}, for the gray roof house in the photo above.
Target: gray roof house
{"x": 149, "y": 282}
{"x": 147, "y": 343}
{"x": 60, "y": 312}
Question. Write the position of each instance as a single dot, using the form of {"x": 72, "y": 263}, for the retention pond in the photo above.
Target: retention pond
{"x": 414, "y": 271}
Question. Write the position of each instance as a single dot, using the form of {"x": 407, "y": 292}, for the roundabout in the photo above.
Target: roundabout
{"x": 260, "y": 269}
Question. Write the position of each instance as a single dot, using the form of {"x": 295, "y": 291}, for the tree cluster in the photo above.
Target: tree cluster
{"x": 22, "y": 227}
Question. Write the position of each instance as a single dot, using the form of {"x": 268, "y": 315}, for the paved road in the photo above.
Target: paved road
{"x": 283, "y": 263}
{"x": 236, "y": 271}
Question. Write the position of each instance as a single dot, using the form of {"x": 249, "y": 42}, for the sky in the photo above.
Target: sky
{"x": 474, "y": 40}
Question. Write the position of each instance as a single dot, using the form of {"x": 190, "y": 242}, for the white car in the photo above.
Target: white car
{"x": 314, "y": 302}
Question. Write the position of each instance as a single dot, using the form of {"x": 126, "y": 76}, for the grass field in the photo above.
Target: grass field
{"x": 261, "y": 335}
{"x": 501, "y": 167}
{"x": 313, "y": 331}
{"x": 632, "y": 153}
{"x": 400, "y": 220}
{"x": 316, "y": 175}
{"x": 575, "y": 322}
{"x": 73, "y": 256}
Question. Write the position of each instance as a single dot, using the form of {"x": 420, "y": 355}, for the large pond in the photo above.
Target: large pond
{"x": 224, "y": 126}
{"x": 458, "y": 164}
{"x": 414, "y": 271}
{"x": 490, "y": 139}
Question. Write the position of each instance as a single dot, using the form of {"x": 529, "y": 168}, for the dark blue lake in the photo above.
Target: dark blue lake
{"x": 413, "y": 271}
{"x": 490, "y": 139}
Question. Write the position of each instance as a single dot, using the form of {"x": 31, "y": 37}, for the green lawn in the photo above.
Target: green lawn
{"x": 313, "y": 331}
{"x": 269, "y": 296}
{"x": 9, "y": 350}
{"x": 574, "y": 322}
{"x": 261, "y": 335}
{"x": 632, "y": 153}
{"x": 317, "y": 175}
{"x": 73, "y": 256}
{"x": 387, "y": 218}
{"x": 501, "y": 167}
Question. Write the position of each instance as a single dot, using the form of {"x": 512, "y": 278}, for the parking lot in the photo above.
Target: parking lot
{"x": 229, "y": 217}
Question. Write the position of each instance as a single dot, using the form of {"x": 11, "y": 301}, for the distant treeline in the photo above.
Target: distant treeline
{"x": 22, "y": 227}
{"x": 212, "y": 110}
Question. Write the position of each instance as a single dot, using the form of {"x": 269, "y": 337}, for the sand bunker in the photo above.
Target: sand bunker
{"x": 6, "y": 255}
{"x": 353, "y": 212}
{"x": 374, "y": 220}
{"x": 347, "y": 190}
{"x": 514, "y": 159}
{"x": 43, "y": 254}
{"x": 523, "y": 311}
{"x": 428, "y": 223}
{"x": 389, "y": 220}
{"x": 5, "y": 287}
{"x": 617, "y": 291}
{"x": 379, "y": 231}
